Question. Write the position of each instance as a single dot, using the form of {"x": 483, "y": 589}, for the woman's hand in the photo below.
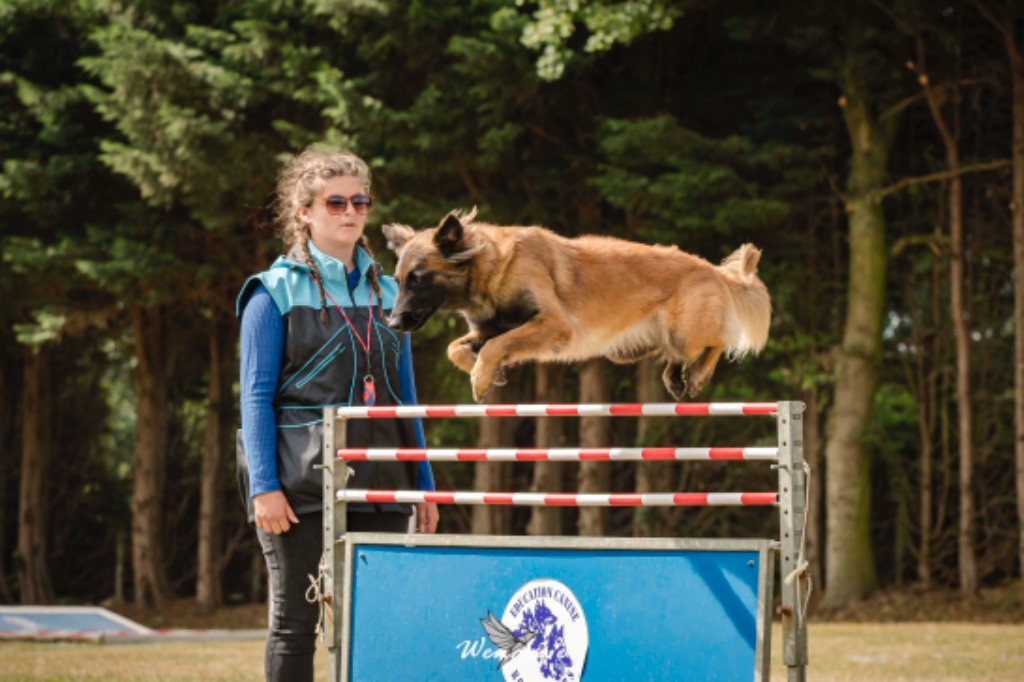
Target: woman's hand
{"x": 273, "y": 513}
{"x": 427, "y": 517}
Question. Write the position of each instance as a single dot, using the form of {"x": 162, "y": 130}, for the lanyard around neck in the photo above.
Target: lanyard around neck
{"x": 365, "y": 345}
{"x": 369, "y": 389}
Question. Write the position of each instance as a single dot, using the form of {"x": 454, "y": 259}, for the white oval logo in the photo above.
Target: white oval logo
{"x": 542, "y": 634}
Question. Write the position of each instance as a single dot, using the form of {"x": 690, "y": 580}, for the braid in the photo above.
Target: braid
{"x": 307, "y": 258}
{"x": 372, "y": 276}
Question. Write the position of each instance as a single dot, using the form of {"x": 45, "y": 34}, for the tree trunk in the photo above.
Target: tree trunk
{"x": 849, "y": 555}
{"x": 1005, "y": 25}
{"x": 548, "y": 477}
{"x": 7, "y": 467}
{"x": 152, "y": 353}
{"x": 494, "y": 432}
{"x": 656, "y": 476}
{"x": 217, "y": 443}
{"x": 1018, "y": 285}
{"x": 594, "y": 476}
{"x": 33, "y": 573}
{"x": 120, "y": 561}
{"x": 968, "y": 561}
{"x": 926, "y": 424}
{"x": 965, "y": 538}
{"x": 922, "y": 377}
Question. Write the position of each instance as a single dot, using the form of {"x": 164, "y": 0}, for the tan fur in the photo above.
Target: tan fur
{"x": 594, "y": 296}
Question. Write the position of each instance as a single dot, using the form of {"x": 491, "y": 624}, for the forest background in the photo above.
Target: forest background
{"x": 873, "y": 150}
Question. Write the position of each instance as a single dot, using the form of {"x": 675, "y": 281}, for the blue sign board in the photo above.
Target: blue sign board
{"x": 520, "y": 609}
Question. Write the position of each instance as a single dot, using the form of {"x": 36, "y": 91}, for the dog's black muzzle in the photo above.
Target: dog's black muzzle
{"x": 413, "y": 309}
{"x": 405, "y": 321}
{"x": 409, "y": 320}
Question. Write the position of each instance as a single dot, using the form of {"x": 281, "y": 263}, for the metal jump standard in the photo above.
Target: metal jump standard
{"x": 410, "y": 606}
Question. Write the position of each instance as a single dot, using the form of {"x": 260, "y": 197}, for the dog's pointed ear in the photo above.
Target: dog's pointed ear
{"x": 397, "y": 235}
{"x": 450, "y": 237}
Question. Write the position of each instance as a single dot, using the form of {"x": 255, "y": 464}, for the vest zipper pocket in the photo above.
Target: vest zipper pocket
{"x": 301, "y": 371}
{"x": 319, "y": 367}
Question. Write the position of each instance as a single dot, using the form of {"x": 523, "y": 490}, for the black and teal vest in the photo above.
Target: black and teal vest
{"x": 324, "y": 365}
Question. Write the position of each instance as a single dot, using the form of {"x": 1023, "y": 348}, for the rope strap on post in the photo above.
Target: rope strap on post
{"x": 315, "y": 593}
{"x": 802, "y": 568}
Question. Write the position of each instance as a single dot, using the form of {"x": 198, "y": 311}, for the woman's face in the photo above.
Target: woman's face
{"x": 336, "y": 231}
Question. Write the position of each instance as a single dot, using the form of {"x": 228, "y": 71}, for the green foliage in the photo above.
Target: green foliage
{"x": 45, "y": 327}
{"x": 680, "y": 182}
{"x": 141, "y": 140}
{"x": 175, "y": 113}
{"x": 605, "y": 24}
{"x": 48, "y": 183}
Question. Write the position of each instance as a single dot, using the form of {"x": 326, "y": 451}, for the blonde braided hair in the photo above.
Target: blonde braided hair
{"x": 299, "y": 184}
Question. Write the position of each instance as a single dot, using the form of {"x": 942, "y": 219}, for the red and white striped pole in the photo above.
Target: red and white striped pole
{"x": 560, "y": 500}
{"x": 595, "y": 410}
{"x": 553, "y": 454}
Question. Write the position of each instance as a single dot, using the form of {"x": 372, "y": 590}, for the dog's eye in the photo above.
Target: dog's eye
{"x": 413, "y": 278}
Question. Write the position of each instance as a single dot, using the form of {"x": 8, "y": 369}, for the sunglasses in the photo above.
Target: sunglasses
{"x": 337, "y": 204}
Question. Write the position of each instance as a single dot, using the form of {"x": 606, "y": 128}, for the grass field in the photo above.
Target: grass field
{"x": 838, "y": 651}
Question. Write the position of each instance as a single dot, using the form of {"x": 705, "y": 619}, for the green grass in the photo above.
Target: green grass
{"x": 838, "y": 651}
{"x": 910, "y": 651}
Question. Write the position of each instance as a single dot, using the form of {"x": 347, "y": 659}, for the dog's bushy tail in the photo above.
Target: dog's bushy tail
{"x": 751, "y": 303}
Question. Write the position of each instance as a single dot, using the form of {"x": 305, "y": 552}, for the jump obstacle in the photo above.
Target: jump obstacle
{"x": 411, "y": 606}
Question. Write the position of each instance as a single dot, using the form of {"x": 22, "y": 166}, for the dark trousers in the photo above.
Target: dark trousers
{"x": 291, "y": 558}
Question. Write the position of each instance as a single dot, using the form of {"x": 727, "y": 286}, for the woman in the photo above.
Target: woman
{"x": 313, "y": 334}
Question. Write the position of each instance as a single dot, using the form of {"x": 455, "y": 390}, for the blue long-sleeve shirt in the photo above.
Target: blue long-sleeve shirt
{"x": 262, "y": 345}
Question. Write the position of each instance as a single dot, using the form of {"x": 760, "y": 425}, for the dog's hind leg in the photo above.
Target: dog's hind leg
{"x": 675, "y": 382}
{"x": 702, "y": 369}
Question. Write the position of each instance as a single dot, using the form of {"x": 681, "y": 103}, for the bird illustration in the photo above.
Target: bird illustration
{"x": 504, "y": 638}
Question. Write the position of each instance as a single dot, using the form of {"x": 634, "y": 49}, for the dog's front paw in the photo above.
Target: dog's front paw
{"x": 482, "y": 385}
{"x": 462, "y": 356}
{"x": 500, "y": 379}
{"x": 480, "y": 394}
